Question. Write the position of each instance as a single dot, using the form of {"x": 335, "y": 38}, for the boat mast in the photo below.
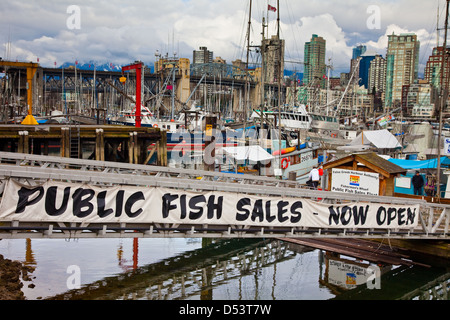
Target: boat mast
{"x": 246, "y": 67}
{"x": 263, "y": 61}
{"x": 279, "y": 79}
{"x": 443, "y": 100}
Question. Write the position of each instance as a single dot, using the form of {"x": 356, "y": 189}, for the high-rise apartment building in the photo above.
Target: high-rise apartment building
{"x": 203, "y": 55}
{"x": 402, "y": 60}
{"x": 364, "y": 68}
{"x": 354, "y": 65}
{"x": 358, "y": 51}
{"x": 434, "y": 67}
{"x": 315, "y": 68}
{"x": 377, "y": 74}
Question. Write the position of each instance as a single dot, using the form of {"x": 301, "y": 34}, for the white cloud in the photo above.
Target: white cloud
{"x": 121, "y": 32}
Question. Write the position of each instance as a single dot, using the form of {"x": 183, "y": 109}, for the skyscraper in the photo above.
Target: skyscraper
{"x": 434, "y": 66}
{"x": 358, "y": 51}
{"x": 203, "y": 55}
{"x": 354, "y": 65}
{"x": 402, "y": 65}
{"x": 315, "y": 68}
{"x": 377, "y": 74}
{"x": 364, "y": 66}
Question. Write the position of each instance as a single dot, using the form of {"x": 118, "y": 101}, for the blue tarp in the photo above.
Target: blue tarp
{"x": 420, "y": 164}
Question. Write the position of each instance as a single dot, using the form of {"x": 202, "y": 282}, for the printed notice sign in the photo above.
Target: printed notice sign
{"x": 355, "y": 182}
{"x": 447, "y": 146}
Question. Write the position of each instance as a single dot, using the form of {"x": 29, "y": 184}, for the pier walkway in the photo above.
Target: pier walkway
{"x": 55, "y": 197}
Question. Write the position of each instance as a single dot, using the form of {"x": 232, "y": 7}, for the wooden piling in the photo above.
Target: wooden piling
{"x": 65, "y": 142}
{"x": 24, "y": 139}
{"x": 100, "y": 145}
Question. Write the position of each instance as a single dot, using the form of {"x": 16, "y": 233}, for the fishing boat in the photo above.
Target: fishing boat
{"x": 298, "y": 163}
{"x": 292, "y": 163}
{"x": 294, "y": 119}
{"x": 128, "y": 118}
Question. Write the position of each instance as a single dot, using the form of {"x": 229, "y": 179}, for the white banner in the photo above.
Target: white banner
{"x": 355, "y": 182}
{"x": 63, "y": 202}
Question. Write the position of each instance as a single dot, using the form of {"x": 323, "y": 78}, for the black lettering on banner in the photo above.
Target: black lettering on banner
{"x": 119, "y": 203}
{"x": 296, "y": 215}
{"x": 194, "y": 215}
{"x": 381, "y": 215}
{"x": 79, "y": 203}
{"x": 333, "y": 216}
{"x": 50, "y": 201}
{"x": 101, "y": 205}
{"x": 411, "y": 216}
{"x": 131, "y": 201}
{"x": 392, "y": 215}
{"x": 240, "y": 207}
{"x": 345, "y": 214}
{"x": 183, "y": 206}
{"x": 269, "y": 217}
{"x": 346, "y": 209}
{"x": 282, "y": 210}
{"x": 361, "y": 215}
{"x": 258, "y": 211}
{"x": 24, "y": 195}
{"x": 166, "y": 205}
{"x": 401, "y": 216}
{"x": 212, "y": 206}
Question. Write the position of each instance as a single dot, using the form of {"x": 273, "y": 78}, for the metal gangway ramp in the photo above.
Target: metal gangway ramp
{"x": 27, "y": 171}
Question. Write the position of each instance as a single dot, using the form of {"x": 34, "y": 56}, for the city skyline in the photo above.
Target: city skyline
{"x": 120, "y": 33}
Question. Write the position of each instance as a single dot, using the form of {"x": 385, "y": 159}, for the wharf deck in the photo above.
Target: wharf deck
{"x": 116, "y": 143}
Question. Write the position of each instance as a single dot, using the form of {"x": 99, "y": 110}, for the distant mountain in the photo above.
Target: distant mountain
{"x": 112, "y": 67}
{"x": 99, "y": 67}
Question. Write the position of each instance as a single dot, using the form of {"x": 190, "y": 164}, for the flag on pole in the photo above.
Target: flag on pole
{"x": 270, "y": 8}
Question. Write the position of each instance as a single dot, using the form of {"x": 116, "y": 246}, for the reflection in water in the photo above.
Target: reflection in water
{"x": 123, "y": 262}
{"x": 29, "y": 256}
{"x": 239, "y": 269}
{"x": 193, "y": 273}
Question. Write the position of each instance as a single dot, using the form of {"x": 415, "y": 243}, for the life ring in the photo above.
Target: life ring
{"x": 334, "y": 135}
{"x": 155, "y": 126}
{"x": 285, "y": 163}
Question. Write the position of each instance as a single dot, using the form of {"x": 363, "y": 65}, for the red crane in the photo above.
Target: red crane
{"x": 138, "y": 68}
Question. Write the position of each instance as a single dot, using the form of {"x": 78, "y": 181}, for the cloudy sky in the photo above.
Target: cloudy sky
{"x": 121, "y": 31}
